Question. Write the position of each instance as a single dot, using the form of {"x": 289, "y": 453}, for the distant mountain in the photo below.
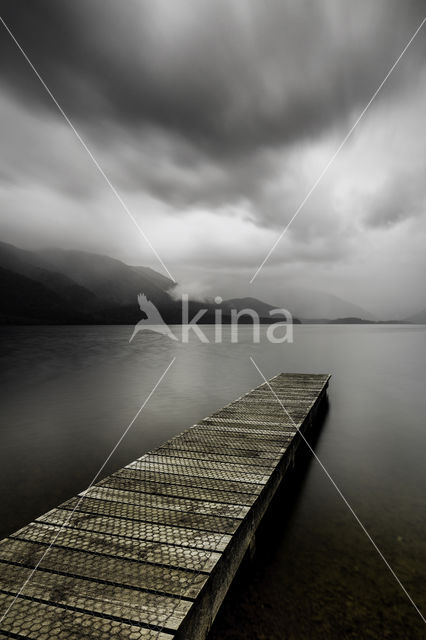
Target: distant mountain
{"x": 27, "y": 263}
{"x": 418, "y": 318}
{"x": 361, "y": 321}
{"x": 261, "y": 308}
{"x": 25, "y": 301}
{"x": 77, "y": 286}
{"x": 110, "y": 280}
{"x": 155, "y": 278}
{"x": 310, "y": 305}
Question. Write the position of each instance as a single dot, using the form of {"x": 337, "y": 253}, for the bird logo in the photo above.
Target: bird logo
{"x": 153, "y": 320}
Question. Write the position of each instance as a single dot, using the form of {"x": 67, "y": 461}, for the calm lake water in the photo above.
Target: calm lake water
{"x": 67, "y": 394}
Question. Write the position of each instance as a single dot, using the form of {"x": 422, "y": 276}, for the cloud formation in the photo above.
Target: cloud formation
{"x": 213, "y": 119}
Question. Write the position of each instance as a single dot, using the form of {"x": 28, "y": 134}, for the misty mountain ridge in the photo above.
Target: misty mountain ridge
{"x": 24, "y": 299}
{"x": 311, "y": 305}
{"x": 68, "y": 286}
{"x": 26, "y": 263}
{"x": 89, "y": 288}
{"x": 262, "y": 308}
{"x": 110, "y": 280}
{"x": 418, "y": 318}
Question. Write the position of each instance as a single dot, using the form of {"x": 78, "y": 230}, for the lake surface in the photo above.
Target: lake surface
{"x": 68, "y": 393}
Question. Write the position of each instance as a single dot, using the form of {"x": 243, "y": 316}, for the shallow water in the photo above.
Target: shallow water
{"x": 68, "y": 393}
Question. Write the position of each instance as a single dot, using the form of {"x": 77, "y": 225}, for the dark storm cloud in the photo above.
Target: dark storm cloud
{"x": 229, "y": 78}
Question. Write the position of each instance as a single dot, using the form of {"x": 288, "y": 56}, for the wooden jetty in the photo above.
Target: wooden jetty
{"x": 150, "y": 551}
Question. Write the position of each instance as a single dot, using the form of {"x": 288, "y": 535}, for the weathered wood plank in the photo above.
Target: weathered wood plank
{"x": 128, "y": 482}
{"x": 161, "y": 474}
{"x": 217, "y": 443}
{"x": 38, "y": 621}
{"x": 140, "y": 575}
{"x": 267, "y": 439}
{"x": 193, "y": 538}
{"x": 118, "y": 546}
{"x": 276, "y": 436}
{"x": 199, "y": 471}
{"x": 145, "y": 513}
{"x": 167, "y": 502}
{"x": 192, "y": 465}
{"x": 186, "y": 450}
{"x": 131, "y": 605}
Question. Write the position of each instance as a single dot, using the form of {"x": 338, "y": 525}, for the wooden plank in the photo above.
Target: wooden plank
{"x": 120, "y": 547}
{"x": 128, "y": 482}
{"x": 290, "y": 398}
{"x": 193, "y": 538}
{"x": 186, "y": 450}
{"x": 199, "y": 471}
{"x": 266, "y": 439}
{"x": 140, "y": 575}
{"x": 248, "y": 419}
{"x": 168, "y": 502}
{"x": 132, "y": 606}
{"x": 193, "y": 465}
{"x": 264, "y": 412}
{"x": 218, "y": 443}
{"x": 145, "y": 513}
{"x": 276, "y": 436}
{"x": 38, "y": 621}
{"x": 161, "y": 474}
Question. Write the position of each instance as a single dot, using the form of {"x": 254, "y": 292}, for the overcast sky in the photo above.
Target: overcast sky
{"x": 213, "y": 118}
